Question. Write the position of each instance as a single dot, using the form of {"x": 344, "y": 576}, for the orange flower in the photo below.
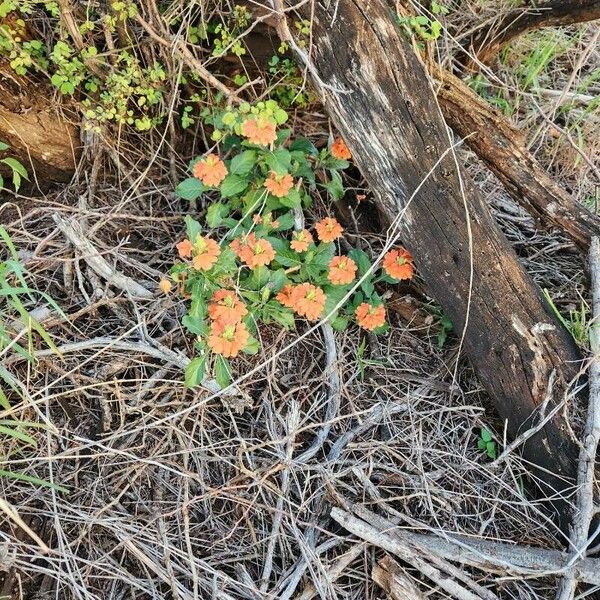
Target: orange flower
{"x": 301, "y": 240}
{"x": 342, "y": 270}
{"x": 225, "y": 306}
{"x": 370, "y": 317}
{"x": 339, "y": 150}
{"x": 285, "y": 296}
{"x": 211, "y": 170}
{"x": 228, "y": 338}
{"x": 308, "y": 301}
{"x": 259, "y": 131}
{"x": 184, "y": 248}
{"x": 398, "y": 264}
{"x": 165, "y": 286}
{"x": 254, "y": 252}
{"x": 256, "y": 219}
{"x": 206, "y": 252}
{"x": 279, "y": 185}
{"x": 328, "y": 230}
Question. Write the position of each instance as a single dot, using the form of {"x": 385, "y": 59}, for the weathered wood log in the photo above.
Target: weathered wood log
{"x": 43, "y": 140}
{"x": 500, "y": 145}
{"x": 377, "y": 93}
{"x": 485, "y": 43}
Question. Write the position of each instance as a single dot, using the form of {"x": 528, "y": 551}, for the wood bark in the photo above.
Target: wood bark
{"x": 377, "y": 93}
{"x": 489, "y": 40}
{"x": 490, "y": 135}
{"x": 43, "y": 140}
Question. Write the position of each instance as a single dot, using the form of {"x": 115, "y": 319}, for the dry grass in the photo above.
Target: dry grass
{"x": 174, "y": 494}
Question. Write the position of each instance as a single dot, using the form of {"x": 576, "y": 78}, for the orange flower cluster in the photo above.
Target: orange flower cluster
{"x": 261, "y": 131}
{"x": 279, "y": 185}
{"x": 253, "y": 251}
{"x": 206, "y": 252}
{"x": 339, "y": 150}
{"x": 370, "y": 317}
{"x": 398, "y": 264}
{"x": 211, "y": 170}
{"x": 228, "y": 334}
{"x": 305, "y": 299}
{"x": 227, "y": 307}
{"x": 301, "y": 240}
{"x": 328, "y": 230}
{"x": 228, "y": 339}
{"x": 342, "y": 270}
{"x": 184, "y": 248}
{"x": 285, "y": 296}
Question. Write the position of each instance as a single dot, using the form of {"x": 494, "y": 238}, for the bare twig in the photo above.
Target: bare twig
{"x": 72, "y": 231}
{"x": 580, "y": 535}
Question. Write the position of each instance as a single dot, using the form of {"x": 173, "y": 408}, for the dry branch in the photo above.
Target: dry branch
{"x": 490, "y": 135}
{"x": 486, "y": 42}
{"x": 488, "y": 556}
{"x": 73, "y": 232}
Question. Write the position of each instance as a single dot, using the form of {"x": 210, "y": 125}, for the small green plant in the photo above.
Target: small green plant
{"x": 265, "y": 268}
{"x": 19, "y": 172}
{"x": 577, "y": 323}
{"x": 287, "y": 82}
{"x": 445, "y": 327}
{"x": 226, "y": 35}
{"x": 423, "y": 27}
{"x": 487, "y": 443}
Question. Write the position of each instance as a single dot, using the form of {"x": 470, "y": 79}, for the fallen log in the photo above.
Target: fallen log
{"x": 44, "y": 141}
{"x": 376, "y": 91}
{"x": 500, "y": 145}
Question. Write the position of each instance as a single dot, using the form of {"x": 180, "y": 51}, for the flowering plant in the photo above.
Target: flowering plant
{"x": 252, "y": 260}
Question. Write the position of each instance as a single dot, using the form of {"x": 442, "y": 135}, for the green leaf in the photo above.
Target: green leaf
{"x": 335, "y": 187}
{"x": 252, "y": 346}
{"x": 194, "y": 324}
{"x": 222, "y": 371}
{"x": 243, "y": 163}
{"x": 193, "y": 228}
{"x": 279, "y": 161}
{"x": 292, "y": 200}
{"x": 194, "y": 372}
{"x": 361, "y": 258}
{"x": 481, "y": 444}
{"x": 4, "y": 146}
{"x": 233, "y": 185}
{"x": 340, "y": 323}
{"x": 305, "y": 146}
{"x": 486, "y": 436}
{"x": 334, "y": 295}
{"x": 283, "y": 316}
{"x": 190, "y": 188}
{"x": 277, "y": 280}
{"x": 286, "y": 221}
{"x": 16, "y": 166}
{"x": 216, "y": 213}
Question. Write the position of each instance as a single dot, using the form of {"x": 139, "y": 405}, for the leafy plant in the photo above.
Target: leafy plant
{"x": 266, "y": 269}
{"x": 487, "y": 443}
{"x": 422, "y": 26}
{"x": 19, "y": 172}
